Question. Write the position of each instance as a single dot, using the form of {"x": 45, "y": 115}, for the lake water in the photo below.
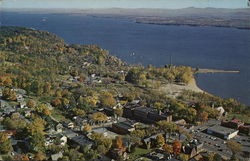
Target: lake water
{"x": 204, "y": 47}
{"x": 172, "y": 4}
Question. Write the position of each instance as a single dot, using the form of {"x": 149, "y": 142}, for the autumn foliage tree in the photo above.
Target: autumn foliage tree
{"x": 57, "y": 102}
{"x": 99, "y": 116}
{"x": 203, "y": 116}
{"x": 177, "y": 147}
{"x": 119, "y": 144}
{"x": 31, "y": 103}
{"x": 40, "y": 156}
{"x": 107, "y": 100}
{"x": 167, "y": 148}
{"x": 9, "y": 94}
{"x": 21, "y": 157}
{"x": 5, "y": 81}
{"x": 160, "y": 140}
{"x": 87, "y": 128}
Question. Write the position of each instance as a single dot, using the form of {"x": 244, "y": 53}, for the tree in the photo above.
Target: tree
{"x": 119, "y": 144}
{"x": 167, "y": 127}
{"x": 203, "y": 116}
{"x": 5, "y": 144}
{"x": 40, "y": 156}
{"x": 176, "y": 147}
{"x": 43, "y": 108}
{"x": 184, "y": 157}
{"x": 47, "y": 88}
{"x": 234, "y": 147}
{"x": 36, "y": 131}
{"x": 167, "y": 148}
{"x": 74, "y": 154}
{"x": 138, "y": 133}
{"x": 159, "y": 106}
{"x": 57, "y": 102}
{"x": 87, "y": 128}
{"x": 118, "y": 112}
{"x": 101, "y": 140}
{"x": 21, "y": 157}
{"x": 82, "y": 78}
{"x": 99, "y": 116}
{"x": 31, "y": 103}
{"x": 78, "y": 112}
{"x": 14, "y": 124}
{"x": 107, "y": 100}
{"x": 160, "y": 140}
{"x": 9, "y": 94}
{"x": 46, "y": 112}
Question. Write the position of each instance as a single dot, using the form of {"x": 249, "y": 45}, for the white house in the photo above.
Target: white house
{"x": 221, "y": 110}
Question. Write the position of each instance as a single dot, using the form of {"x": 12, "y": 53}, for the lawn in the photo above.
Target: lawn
{"x": 57, "y": 114}
{"x": 139, "y": 152}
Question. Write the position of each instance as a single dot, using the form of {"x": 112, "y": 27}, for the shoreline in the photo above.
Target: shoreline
{"x": 204, "y": 71}
{"x": 197, "y": 17}
{"x": 174, "y": 90}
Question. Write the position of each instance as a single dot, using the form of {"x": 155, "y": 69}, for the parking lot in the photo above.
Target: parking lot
{"x": 218, "y": 145}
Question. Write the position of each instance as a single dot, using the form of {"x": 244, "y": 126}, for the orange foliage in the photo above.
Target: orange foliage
{"x": 176, "y": 147}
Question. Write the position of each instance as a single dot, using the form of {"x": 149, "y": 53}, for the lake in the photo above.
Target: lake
{"x": 169, "y": 4}
{"x": 203, "y": 47}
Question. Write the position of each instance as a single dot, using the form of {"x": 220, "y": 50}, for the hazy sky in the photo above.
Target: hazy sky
{"x": 122, "y": 3}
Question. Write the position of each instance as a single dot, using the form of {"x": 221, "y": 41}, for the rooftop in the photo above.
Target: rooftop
{"x": 221, "y": 130}
{"x": 124, "y": 125}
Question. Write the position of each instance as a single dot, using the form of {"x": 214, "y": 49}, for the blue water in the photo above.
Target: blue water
{"x": 204, "y": 47}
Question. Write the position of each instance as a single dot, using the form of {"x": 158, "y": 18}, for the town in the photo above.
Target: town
{"x": 76, "y": 102}
{"x": 127, "y": 124}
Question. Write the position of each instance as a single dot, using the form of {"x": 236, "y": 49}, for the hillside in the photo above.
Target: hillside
{"x": 34, "y": 59}
{"x": 51, "y": 90}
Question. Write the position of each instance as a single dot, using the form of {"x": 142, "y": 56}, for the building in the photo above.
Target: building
{"x": 56, "y": 156}
{"x": 193, "y": 148}
{"x": 180, "y": 122}
{"x": 221, "y": 111}
{"x": 156, "y": 156}
{"x": 222, "y": 132}
{"x": 141, "y": 113}
{"x": 145, "y": 114}
{"x": 123, "y": 127}
{"x": 245, "y": 129}
{"x": 234, "y": 124}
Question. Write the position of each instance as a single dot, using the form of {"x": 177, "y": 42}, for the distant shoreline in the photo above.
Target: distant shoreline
{"x": 214, "y": 17}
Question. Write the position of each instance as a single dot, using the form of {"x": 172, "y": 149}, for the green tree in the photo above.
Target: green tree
{"x": 36, "y": 131}
{"x": 167, "y": 127}
{"x": 234, "y": 147}
{"x": 102, "y": 140}
{"x": 5, "y": 144}
{"x": 99, "y": 116}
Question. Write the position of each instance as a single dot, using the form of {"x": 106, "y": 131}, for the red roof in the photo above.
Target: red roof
{"x": 236, "y": 121}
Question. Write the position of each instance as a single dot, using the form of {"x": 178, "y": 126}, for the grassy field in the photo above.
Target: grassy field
{"x": 138, "y": 153}
{"x": 57, "y": 114}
